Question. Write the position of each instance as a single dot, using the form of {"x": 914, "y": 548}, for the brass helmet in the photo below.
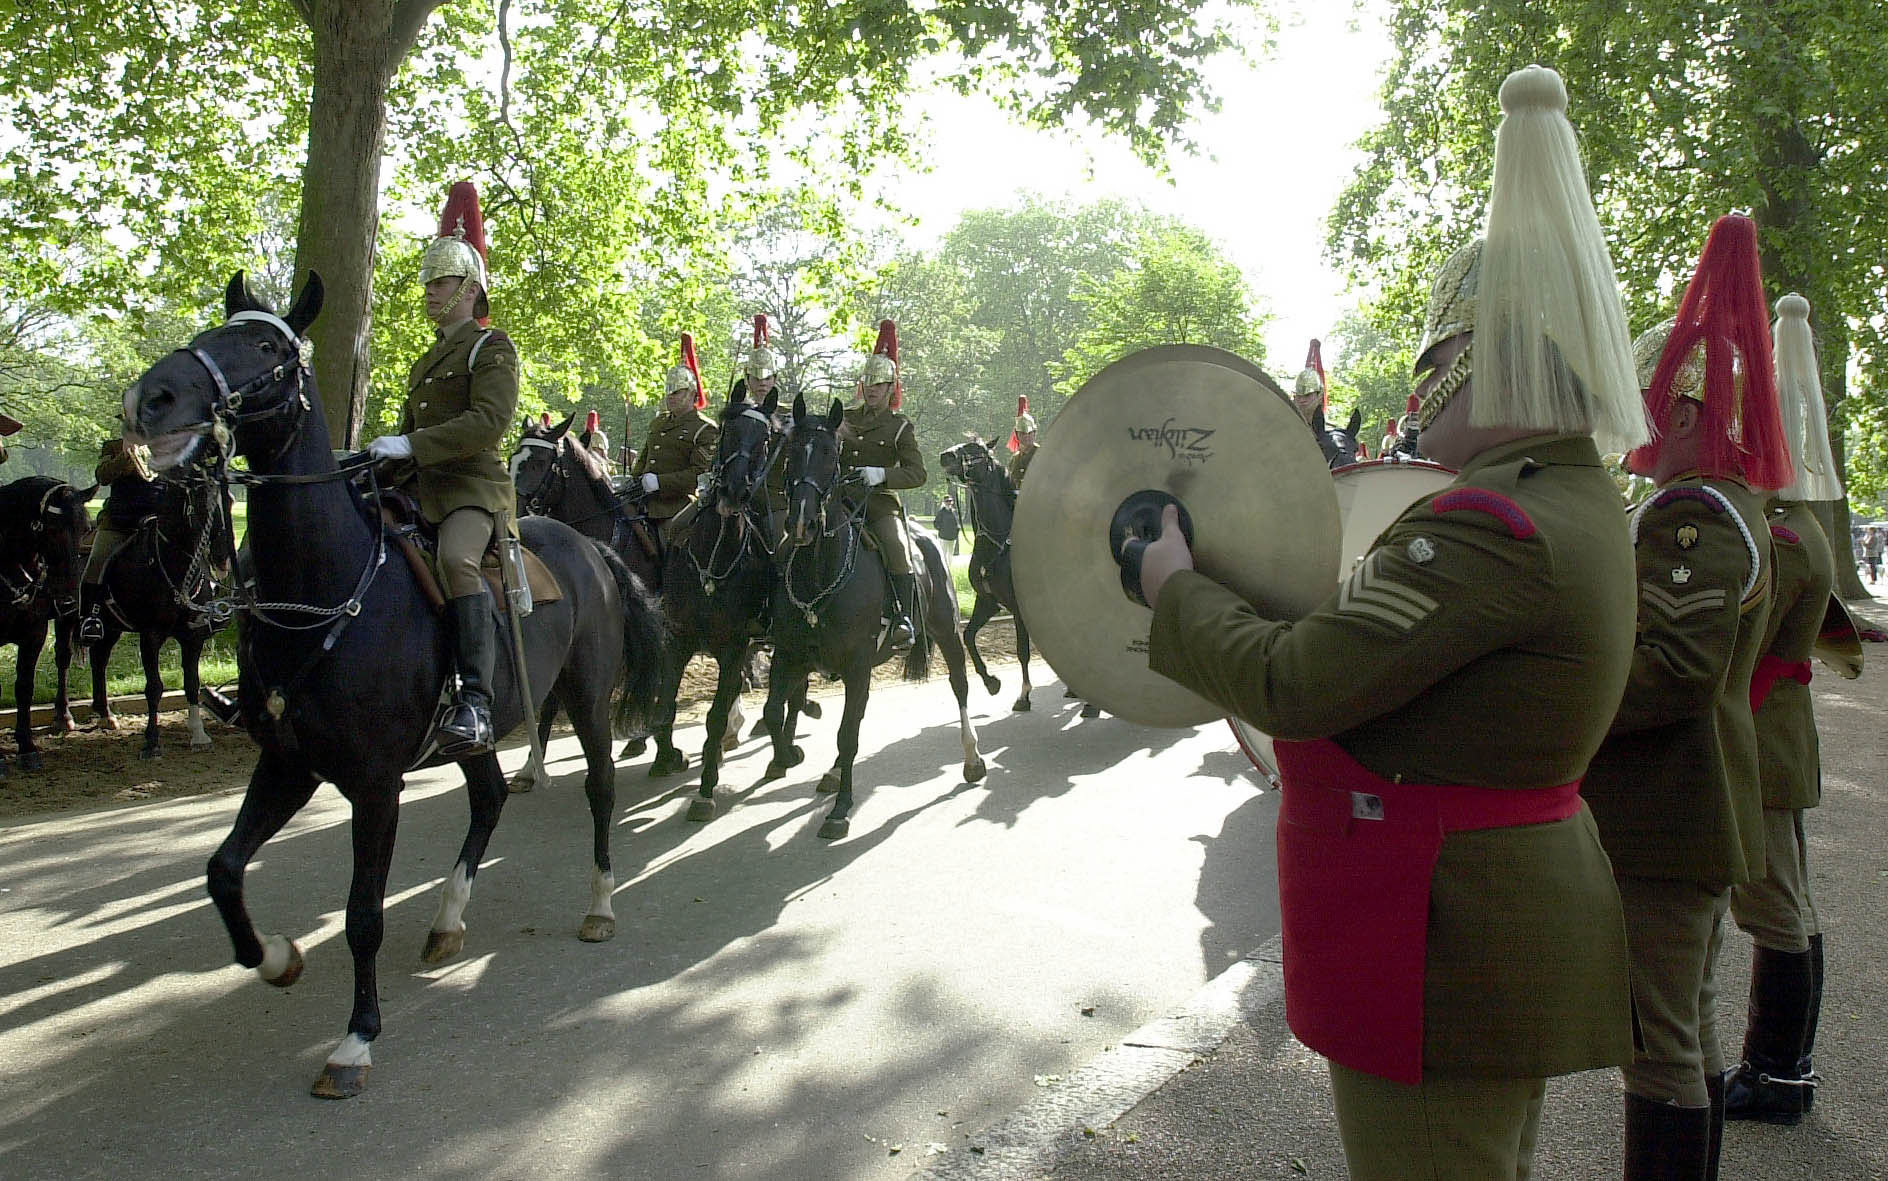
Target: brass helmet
{"x": 459, "y": 249}
{"x": 687, "y": 374}
{"x": 882, "y": 365}
{"x": 1451, "y": 312}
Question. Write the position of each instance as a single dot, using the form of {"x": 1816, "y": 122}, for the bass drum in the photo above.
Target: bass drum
{"x": 1370, "y": 497}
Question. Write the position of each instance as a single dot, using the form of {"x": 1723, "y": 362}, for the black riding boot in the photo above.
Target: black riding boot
{"x": 467, "y": 729}
{"x": 1768, "y": 1085}
{"x": 1665, "y": 1143}
{"x": 904, "y": 597}
{"x": 1714, "y": 1143}
{"x": 1805, "y": 1068}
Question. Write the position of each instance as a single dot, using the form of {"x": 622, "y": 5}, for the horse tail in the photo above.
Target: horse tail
{"x": 644, "y": 645}
{"x": 937, "y": 575}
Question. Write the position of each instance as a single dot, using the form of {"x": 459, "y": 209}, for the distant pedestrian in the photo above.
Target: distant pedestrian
{"x": 1874, "y": 541}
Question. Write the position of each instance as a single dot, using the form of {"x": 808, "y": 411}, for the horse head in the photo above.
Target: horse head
{"x": 812, "y": 468}
{"x": 537, "y": 466}
{"x": 1339, "y": 445}
{"x": 747, "y": 431}
{"x": 974, "y": 464}
{"x": 46, "y": 519}
{"x": 248, "y": 376}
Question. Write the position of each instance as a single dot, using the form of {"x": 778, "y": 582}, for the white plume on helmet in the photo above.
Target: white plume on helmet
{"x": 1799, "y": 398}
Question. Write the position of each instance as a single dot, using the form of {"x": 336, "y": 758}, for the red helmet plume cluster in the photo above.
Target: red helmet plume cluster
{"x": 761, "y": 336}
{"x": 694, "y": 367}
{"x": 461, "y": 217}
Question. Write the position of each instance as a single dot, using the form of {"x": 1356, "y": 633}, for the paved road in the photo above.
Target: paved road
{"x": 774, "y": 1006}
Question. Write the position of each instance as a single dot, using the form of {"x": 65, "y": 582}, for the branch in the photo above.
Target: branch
{"x": 403, "y": 30}
{"x": 304, "y": 10}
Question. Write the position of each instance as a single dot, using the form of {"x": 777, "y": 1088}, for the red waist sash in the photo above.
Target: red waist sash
{"x": 1355, "y": 857}
{"x": 1771, "y": 669}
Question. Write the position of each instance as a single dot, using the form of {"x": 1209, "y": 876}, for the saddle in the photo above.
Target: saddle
{"x": 418, "y": 541}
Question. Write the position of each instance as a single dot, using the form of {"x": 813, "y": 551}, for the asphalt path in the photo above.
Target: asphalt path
{"x": 772, "y": 1006}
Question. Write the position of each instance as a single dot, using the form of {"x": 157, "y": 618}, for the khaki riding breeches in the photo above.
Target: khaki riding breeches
{"x": 1445, "y": 1128}
{"x": 105, "y": 543}
{"x": 890, "y": 532}
{"x": 1674, "y": 931}
{"x": 1777, "y": 912}
{"x": 464, "y": 536}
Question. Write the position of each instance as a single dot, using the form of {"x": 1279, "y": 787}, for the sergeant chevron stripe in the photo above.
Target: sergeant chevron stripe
{"x": 1677, "y": 607}
{"x": 1372, "y": 594}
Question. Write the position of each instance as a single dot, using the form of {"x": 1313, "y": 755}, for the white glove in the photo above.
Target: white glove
{"x": 649, "y": 481}
{"x": 391, "y": 447}
{"x": 873, "y": 476}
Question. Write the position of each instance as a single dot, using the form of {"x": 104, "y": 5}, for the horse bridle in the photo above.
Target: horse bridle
{"x": 226, "y": 411}
{"x": 537, "y": 501}
{"x": 821, "y": 495}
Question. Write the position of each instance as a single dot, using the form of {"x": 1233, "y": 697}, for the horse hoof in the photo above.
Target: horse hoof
{"x": 151, "y": 752}
{"x": 340, "y": 1082}
{"x": 524, "y": 782}
{"x": 810, "y": 708}
{"x": 829, "y": 783}
{"x": 833, "y": 830}
{"x": 671, "y": 765}
{"x": 30, "y": 760}
{"x": 63, "y": 725}
{"x": 1022, "y": 706}
{"x": 442, "y": 946}
{"x": 293, "y": 972}
{"x": 700, "y": 810}
{"x": 597, "y": 928}
{"x": 1091, "y": 711}
{"x": 107, "y": 722}
{"x": 634, "y": 748}
{"x": 730, "y": 740}
{"x": 974, "y": 772}
{"x": 992, "y": 686}
{"x": 199, "y": 747}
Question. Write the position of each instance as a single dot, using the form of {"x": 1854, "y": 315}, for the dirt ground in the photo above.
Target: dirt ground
{"x": 91, "y": 767}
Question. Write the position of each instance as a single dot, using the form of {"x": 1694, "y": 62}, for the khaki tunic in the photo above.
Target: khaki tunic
{"x": 1789, "y": 760}
{"x": 680, "y": 447}
{"x": 1675, "y": 788}
{"x": 1019, "y": 465}
{"x": 1483, "y": 643}
{"x": 456, "y": 417}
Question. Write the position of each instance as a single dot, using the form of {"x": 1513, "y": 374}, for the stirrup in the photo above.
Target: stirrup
{"x": 462, "y": 736}
{"x": 221, "y": 705}
{"x": 91, "y": 629}
{"x": 902, "y": 635}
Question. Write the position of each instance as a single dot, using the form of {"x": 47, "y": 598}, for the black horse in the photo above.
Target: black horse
{"x": 828, "y": 615}
{"x": 41, "y": 522}
{"x": 1338, "y": 444}
{"x": 991, "y": 505}
{"x": 342, "y": 659}
{"x": 166, "y": 582}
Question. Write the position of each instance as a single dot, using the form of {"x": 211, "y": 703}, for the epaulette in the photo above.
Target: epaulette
{"x": 1705, "y": 496}
{"x": 1719, "y": 503}
{"x": 1480, "y": 500}
{"x": 1785, "y": 533}
{"x": 472, "y": 358}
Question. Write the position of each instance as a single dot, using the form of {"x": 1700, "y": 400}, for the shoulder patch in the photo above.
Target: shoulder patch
{"x": 1481, "y": 500}
{"x": 1785, "y": 533}
{"x": 1703, "y": 496}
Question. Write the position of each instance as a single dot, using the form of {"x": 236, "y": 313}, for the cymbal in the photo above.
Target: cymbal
{"x": 1199, "y": 425}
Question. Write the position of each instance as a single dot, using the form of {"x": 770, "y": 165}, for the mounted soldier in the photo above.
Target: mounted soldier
{"x": 1309, "y": 393}
{"x": 461, "y": 395}
{"x": 760, "y": 375}
{"x": 881, "y": 445}
{"x": 680, "y": 447}
{"x": 135, "y": 493}
{"x": 597, "y": 442}
{"x": 1022, "y": 442}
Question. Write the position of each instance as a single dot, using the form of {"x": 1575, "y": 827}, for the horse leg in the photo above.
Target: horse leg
{"x": 729, "y": 671}
{"x": 149, "y": 643}
{"x": 782, "y": 714}
{"x": 62, "y": 661}
{"x": 599, "y": 788}
{"x": 376, "y": 819}
{"x": 101, "y": 704}
{"x": 1022, "y": 657}
{"x": 30, "y": 643}
{"x": 190, "y": 647}
{"x": 669, "y": 760}
{"x": 981, "y": 612}
{"x": 858, "y": 689}
{"x": 277, "y": 790}
{"x": 485, "y": 792}
{"x": 953, "y": 651}
{"x": 737, "y": 717}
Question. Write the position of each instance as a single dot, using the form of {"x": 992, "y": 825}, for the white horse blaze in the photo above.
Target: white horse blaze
{"x": 452, "y": 901}
{"x": 352, "y": 1052}
{"x": 276, "y": 954}
{"x": 602, "y": 885}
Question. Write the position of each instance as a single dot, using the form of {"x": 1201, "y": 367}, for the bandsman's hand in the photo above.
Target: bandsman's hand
{"x": 873, "y": 476}
{"x": 1164, "y": 555}
{"x": 391, "y": 447}
{"x": 649, "y": 482}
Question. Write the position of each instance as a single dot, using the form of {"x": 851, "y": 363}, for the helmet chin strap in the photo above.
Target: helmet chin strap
{"x": 453, "y": 302}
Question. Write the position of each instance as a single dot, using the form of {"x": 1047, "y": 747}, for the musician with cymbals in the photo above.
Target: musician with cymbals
{"x": 1452, "y": 933}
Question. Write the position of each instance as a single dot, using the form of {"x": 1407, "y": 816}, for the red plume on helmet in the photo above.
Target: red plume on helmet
{"x": 461, "y": 217}
{"x": 544, "y": 419}
{"x": 1724, "y": 312}
{"x": 1022, "y": 408}
{"x": 590, "y": 423}
{"x": 760, "y": 329}
{"x": 688, "y": 359}
{"x": 1314, "y": 361}
{"x": 887, "y": 346}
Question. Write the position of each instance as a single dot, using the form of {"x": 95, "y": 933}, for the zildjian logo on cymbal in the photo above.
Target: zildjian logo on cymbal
{"x": 1182, "y": 442}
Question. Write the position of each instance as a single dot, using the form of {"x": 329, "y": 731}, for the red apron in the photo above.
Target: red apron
{"x": 1355, "y": 857}
{"x": 1771, "y": 669}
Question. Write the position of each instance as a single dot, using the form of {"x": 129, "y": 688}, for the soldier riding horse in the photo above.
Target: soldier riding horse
{"x": 991, "y": 504}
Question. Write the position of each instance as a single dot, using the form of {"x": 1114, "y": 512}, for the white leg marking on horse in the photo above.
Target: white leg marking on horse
{"x": 452, "y": 901}
{"x": 352, "y": 1052}
{"x": 198, "y": 736}
{"x": 275, "y": 956}
{"x": 737, "y": 717}
{"x": 602, "y": 885}
{"x": 969, "y": 733}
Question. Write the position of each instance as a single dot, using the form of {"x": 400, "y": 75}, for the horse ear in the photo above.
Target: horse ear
{"x": 799, "y": 407}
{"x": 307, "y": 304}
{"x": 238, "y": 298}
{"x": 836, "y": 415}
{"x": 771, "y": 404}
{"x": 1317, "y": 420}
{"x": 1356, "y": 423}
{"x": 524, "y": 425}
{"x": 562, "y": 428}
{"x": 85, "y": 494}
